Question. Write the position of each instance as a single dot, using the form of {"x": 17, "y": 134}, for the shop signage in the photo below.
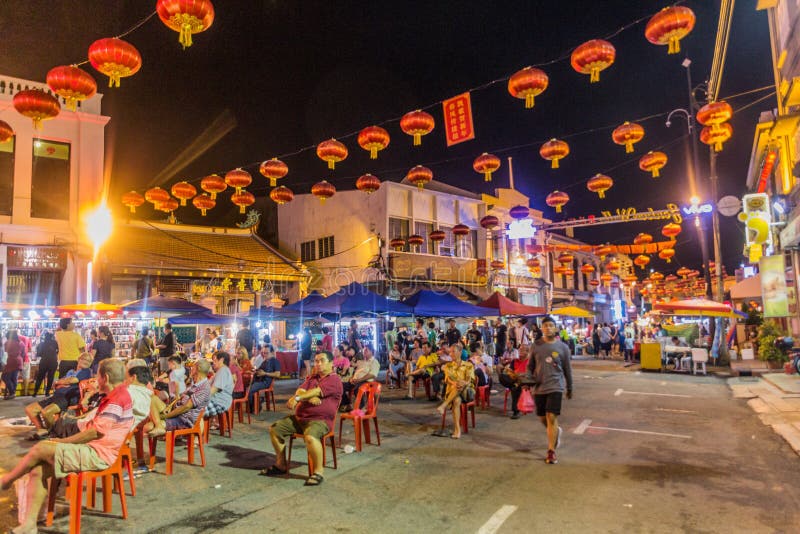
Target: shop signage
{"x": 37, "y": 258}
{"x": 458, "y": 119}
{"x": 756, "y": 216}
{"x": 697, "y": 209}
{"x": 631, "y": 214}
{"x": 773, "y": 286}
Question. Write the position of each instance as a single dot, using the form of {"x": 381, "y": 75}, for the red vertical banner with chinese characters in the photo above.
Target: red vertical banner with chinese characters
{"x": 458, "y": 119}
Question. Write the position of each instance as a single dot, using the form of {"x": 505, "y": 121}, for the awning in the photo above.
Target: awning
{"x": 695, "y": 308}
{"x": 502, "y": 305}
{"x": 162, "y": 304}
{"x": 572, "y": 311}
{"x": 202, "y": 318}
{"x": 355, "y": 300}
{"x": 427, "y": 303}
{"x": 748, "y": 288}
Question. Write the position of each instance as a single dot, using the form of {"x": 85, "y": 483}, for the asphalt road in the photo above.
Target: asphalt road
{"x": 640, "y": 453}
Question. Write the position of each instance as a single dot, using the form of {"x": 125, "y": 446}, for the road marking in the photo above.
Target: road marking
{"x": 674, "y": 411}
{"x": 497, "y": 519}
{"x": 587, "y": 424}
{"x": 582, "y": 427}
{"x": 620, "y": 391}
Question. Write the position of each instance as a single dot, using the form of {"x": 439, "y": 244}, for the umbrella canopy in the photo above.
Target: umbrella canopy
{"x": 427, "y": 303}
{"x": 355, "y": 299}
{"x": 202, "y": 318}
{"x": 694, "y": 307}
{"x": 312, "y": 298}
{"x": 502, "y": 305}
{"x": 572, "y": 311}
{"x": 99, "y": 307}
{"x": 163, "y": 304}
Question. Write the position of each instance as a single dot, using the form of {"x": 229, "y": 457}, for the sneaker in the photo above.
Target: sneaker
{"x": 558, "y": 438}
{"x": 551, "y": 457}
{"x": 515, "y": 415}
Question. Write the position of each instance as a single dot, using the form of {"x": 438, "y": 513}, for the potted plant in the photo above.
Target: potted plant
{"x": 769, "y": 332}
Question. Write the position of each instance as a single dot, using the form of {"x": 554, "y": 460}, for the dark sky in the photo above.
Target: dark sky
{"x": 295, "y": 73}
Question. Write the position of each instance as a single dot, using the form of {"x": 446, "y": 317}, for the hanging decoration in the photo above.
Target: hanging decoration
{"x": 557, "y": 200}
{"x": 669, "y": 26}
{"x": 71, "y": 83}
{"x": 204, "y": 203}
{"x": 519, "y": 212}
{"x": 497, "y": 265}
{"x": 554, "y": 150}
{"x": 603, "y": 251}
{"x": 437, "y": 235}
{"x": 643, "y": 239}
{"x": 527, "y": 84}
{"x": 587, "y": 268}
{"x": 368, "y": 183}
{"x": 490, "y": 222}
{"x": 281, "y": 195}
{"x": 569, "y": 272}
{"x": 565, "y": 258}
{"x": 671, "y": 230}
{"x": 331, "y": 151}
{"x": 156, "y": 196}
{"x": 273, "y": 170}
{"x": 168, "y": 206}
{"x": 132, "y": 200}
{"x": 37, "y": 105}
{"x": 606, "y": 278}
{"x": 656, "y": 276}
{"x": 716, "y": 138}
{"x": 653, "y": 162}
{"x": 238, "y": 179}
{"x": 594, "y": 282}
{"x": 667, "y": 254}
{"x": 534, "y": 264}
{"x": 629, "y": 279}
{"x": 416, "y": 240}
{"x": 323, "y": 190}
{"x": 683, "y": 272}
{"x": 593, "y": 56}
{"x": 416, "y": 124}
{"x": 186, "y": 17}
{"x": 243, "y": 199}
{"x": 460, "y": 230}
{"x": 398, "y": 244}
{"x": 714, "y": 114}
{"x": 213, "y": 185}
{"x": 559, "y": 269}
{"x": 115, "y": 58}
{"x": 419, "y": 176}
{"x": 628, "y": 133}
{"x": 6, "y": 131}
{"x": 671, "y": 278}
{"x": 612, "y": 266}
{"x": 372, "y": 139}
{"x": 486, "y": 164}
{"x": 183, "y": 191}
{"x": 641, "y": 261}
{"x": 599, "y": 183}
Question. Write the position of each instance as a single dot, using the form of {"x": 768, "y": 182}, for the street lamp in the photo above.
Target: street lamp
{"x": 99, "y": 225}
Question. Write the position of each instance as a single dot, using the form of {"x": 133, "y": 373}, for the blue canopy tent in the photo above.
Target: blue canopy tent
{"x": 162, "y": 304}
{"x": 355, "y": 300}
{"x": 268, "y": 313}
{"x": 202, "y": 318}
{"x": 427, "y": 303}
{"x": 312, "y": 298}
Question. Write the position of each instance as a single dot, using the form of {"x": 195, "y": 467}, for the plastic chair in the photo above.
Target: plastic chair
{"x": 426, "y": 382}
{"x": 361, "y": 422}
{"x": 225, "y": 422}
{"x": 268, "y": 393}
{"x": 465, "y": 406}
{"x": 505, "y": 401}
{"x": 240, "y": 405}
{"x": 329, "y": 436}
{"x": 483, "y": 396}
{"x": 699, "y": 359}
{"x": 126, "y": 456}
{"x": 169, "y": 438}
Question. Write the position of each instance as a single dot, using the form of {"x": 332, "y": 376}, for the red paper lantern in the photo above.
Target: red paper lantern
{"x": 37, "y": 105}
{"x": 714, "y": 113}
{"x": 593, "y": 56}
{"x": 669, "y": 26}
{"x": 599, "y": 183}
{"x": 569, "y": 272}
{"x": 437, "y": 235}
{"x": 71, "y": 83}
{"x": 716, "y": 138}
{"x": 534, "y": 264}
{"x": 213, "y": 184}
{"x": 603, "y": 250}
{"x": 372, "y": 139}
{"x": 156, "y": 196}
{"x": 419, "y": 176}
{"x": 204, "y": 203}
{"x": 527, "y": 84}
{"x": 594, "y": 282}
{"x": 331, "y": 151}
{"x": 415, "y": 240}
{"x": 238, "y": 178}
{"x": 606, "y": 278}
{"x": 559, "y": 269}
{"x": 323, "y": 190}
{"x": 416, "y": 124}
{"x": 6, "y": 131}
{"x": 643, "y": 239}
{"x": 486, "y": 164}
{"x": 183, "y": 191}
{"x": 519, "y": 212}
{"x": 627, "y": 134}
{"x": 397, "y": 243}
{"x": 587, "y": 268}
{"x": 273, "y": 169}
{"x": 656, "y": 276}
{"x": 671, "y": 230}
{"x": 243, "y": 199}
{"x": 132, "y": 200}
{"x": 653, "y": 162}
{"x": 557, "y": 200}
{"x": 460, "y": 230}
{"x": 565, "y": 258}
{"x": 186, "y": 17}
{"x": 167, "y": 206}
{"x": 490, "y": 222}
{"x": 368, "y": 183}
{"x": 612, "y": 266}
{"x": 554, "y": 150}
{"x": 671, "y": 278}
{"x": 115, "y": 58}
{"x": 667, "y": 254}
{"x": 683, "y": 272}
{"x": 497, "y": 265}
{"x": 281, "y": 195}
{"x": 641, "y": 261}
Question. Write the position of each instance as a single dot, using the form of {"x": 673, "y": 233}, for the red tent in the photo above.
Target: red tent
{"x": 502, "y": 305}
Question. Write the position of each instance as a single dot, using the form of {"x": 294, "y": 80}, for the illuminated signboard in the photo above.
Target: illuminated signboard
{"x": 37, "y": 258}
{"x": 757, "y": 217}
{"x": 697, "y": 209}
{"x": 521, "y": 229}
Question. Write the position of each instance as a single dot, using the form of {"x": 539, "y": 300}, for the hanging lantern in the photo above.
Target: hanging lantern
{"x": 565, "y": 258}
{"x": 554, "y": 150}
{"x": 557, "y": 200}
{"x": 630, "y": 279}
{"x": 653, "y": 162}
{"x": 331, "y": 151}
{"x": 213, "y": 184}
{"x": 486, "y": 164}
{"x": 671, "y": 230}
{"x": 559, "y": 269}
{"x": 397, "y": 243}
{"x": 37, "y": 105}
{"x": 186, "y": 17}
{"x": 569, "y": 272}
{"x": 167, "y": 206}
{"x": 667, "y": 254}
{"x": 669, "y": 26}
{"x": 519, "y": 212}
{"x": 693, "y": 274}
{"x": 183, "y": 191}
{"x": 132, "y": 200}
{"x": 368, "y": 183}
{"x": 606, "y": 278}
{"x": 714, "y": 114}
{"x": 587, "y": 268}
{"x": 627, "y": 134}
{"x": 419, "y": 176}
{"x": 416, "y": 240}
{"x": 273, "y": 169}
{"x": 243, "y": 199}
{"x": 323, "y": 190}
{"x": 612, "y": 266}
{"x": 6, "y": 131}
{"x": 534, "y": 264}
{"x": 599, "y": 183}
{"x": 683, "y": 272}
{"x": 671, "y": 278}
{"x": 437, "y": 235}
{"x": 71, "y": 83}
{"x": 716, "y": 138}
{"x": 156, "y": 196}
{"x": 204, "y": 203}
{"x": 497, "y": 265}
{"x": 656, "y": 276}
{"x": 641, "y": 261}
{"x": 603, "y": 250}
{"x": 416, "y": 124}
{"x": 372, "y": 139}
{"x": 460, "y": 230}
{"x": 490, "y": 222}
{"x": 643, "y": 239}
{"x": 115, "y": 58}
{"x": 594, "y": 282}
{"x": 281, "y": 195}
{"x": 593, "y": 56}
{"x": 238, "y": 178}
{"x": 527, "y": 84}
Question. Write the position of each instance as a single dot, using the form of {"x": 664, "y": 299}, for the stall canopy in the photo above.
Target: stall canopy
{"x": 748, "y": 288}
{"x": 501, "y": 305}
{"x": 694, "y": 307}
{"x": 572, "y": 311}
{"x": 202, "y": 318}
{"x": 162, "y": 304}
{"x": 270, "y": 313}
{"x": 427, "y": 303}
{"x": 356, "y": 300}
{"x": 98, "y": 307}
{"x": 312, "y": 298}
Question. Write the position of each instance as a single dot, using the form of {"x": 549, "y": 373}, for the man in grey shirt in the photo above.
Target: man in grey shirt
{"x": 552, "y": 374}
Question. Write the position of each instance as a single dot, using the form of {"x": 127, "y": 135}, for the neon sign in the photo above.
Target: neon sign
{"x": 697, "y": 209}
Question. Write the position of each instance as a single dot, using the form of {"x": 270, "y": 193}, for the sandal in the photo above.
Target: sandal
{"x": 272, "y": 471}
{"x": 314, "y": 480}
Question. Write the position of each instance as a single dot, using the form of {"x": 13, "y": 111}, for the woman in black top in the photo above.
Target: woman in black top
{"x": 103, "y": 348}
{"x": 47, "y": 352}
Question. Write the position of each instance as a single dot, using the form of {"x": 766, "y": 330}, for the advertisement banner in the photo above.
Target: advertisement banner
{"x": 458, "y": 119}
{"x": 773, "y": 286}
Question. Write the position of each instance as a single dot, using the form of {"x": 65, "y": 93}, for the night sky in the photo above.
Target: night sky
{"x": 291, "y": 74}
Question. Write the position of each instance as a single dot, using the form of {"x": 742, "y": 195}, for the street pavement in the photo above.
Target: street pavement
{"x": 642, "y": 452}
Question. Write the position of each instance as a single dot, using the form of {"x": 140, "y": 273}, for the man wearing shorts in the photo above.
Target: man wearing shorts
{"x": 314, "y": 404}
{"x": 94, "y": 448}
{"x": 183, "y": 412}
{"x": 552, "y": 374}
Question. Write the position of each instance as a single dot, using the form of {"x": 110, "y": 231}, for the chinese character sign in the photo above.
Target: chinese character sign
{"x": 458, "y": 119}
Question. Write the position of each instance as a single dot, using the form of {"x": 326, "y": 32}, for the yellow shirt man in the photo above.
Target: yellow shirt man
{"x": 70, "y": 345}
{"x": 430, "y": 359}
